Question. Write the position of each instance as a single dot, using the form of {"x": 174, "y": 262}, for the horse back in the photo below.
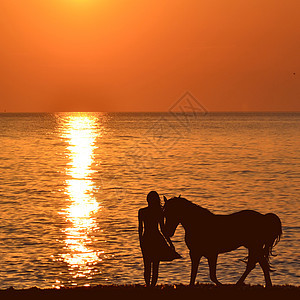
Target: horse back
{"x": 223, "y": 233}
{"x": 245, "y": 214}
{"x": 239, "y": 224}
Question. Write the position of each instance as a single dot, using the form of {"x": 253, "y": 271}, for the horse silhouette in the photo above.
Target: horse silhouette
{"x": 208, "y": 234}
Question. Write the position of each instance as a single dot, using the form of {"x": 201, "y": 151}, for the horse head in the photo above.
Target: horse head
{"x": 171, "y": 217}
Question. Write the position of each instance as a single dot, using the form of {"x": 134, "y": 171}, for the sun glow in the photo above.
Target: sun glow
{"x": 79, "y": 131}
{"x": 82, "y": 3}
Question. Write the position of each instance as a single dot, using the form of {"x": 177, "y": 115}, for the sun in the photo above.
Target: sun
{"x": 79, "y": 7}
{"x": 80, "y": 2}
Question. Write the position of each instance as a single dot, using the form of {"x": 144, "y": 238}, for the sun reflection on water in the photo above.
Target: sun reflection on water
{"x": 80, "y": 132}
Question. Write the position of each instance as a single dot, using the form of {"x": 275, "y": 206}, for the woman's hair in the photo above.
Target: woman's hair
{"x": 153, "y": 199}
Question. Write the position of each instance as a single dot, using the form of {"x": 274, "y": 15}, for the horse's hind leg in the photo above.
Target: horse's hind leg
{"x": 252, "y": 260}
{"x": 266, "y": 269}
{"x": 195, "y": 259}
{"x": 212, "y": 262}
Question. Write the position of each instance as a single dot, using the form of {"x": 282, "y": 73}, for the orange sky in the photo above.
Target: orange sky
{"x": 116, "y": 55}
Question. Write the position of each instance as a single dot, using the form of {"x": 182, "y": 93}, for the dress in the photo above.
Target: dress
{"x": 153, "y": 244}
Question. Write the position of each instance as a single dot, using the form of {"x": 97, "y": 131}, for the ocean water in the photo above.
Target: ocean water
{"x": 71, "y": 185}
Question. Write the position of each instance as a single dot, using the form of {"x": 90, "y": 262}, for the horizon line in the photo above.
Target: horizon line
{"x": 104, "y": 112}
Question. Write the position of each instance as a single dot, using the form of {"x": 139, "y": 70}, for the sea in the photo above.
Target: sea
{"x": 71, "y": 185}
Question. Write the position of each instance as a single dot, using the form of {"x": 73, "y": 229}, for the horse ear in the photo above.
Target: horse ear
{"x": 179, "y": 196}
{"x": 165, "y": 199}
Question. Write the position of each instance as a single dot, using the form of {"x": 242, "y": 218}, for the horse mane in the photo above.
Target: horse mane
{"x": 193, "y": 207}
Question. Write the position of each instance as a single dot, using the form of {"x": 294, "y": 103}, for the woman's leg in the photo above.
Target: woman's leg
{"x": 155, "y": 266}
{"x": 147, "y": 271}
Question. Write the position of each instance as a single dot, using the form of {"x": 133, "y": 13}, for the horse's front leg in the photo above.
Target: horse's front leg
{"x": 195, "y": 259}
{"x": 212, "y": 262}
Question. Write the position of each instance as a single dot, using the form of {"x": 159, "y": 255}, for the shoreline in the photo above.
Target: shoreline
{"x": 208, "y": 291}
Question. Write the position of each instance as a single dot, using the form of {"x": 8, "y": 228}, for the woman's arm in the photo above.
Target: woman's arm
{"x": 140, "y": 225}
{"x": 162, "y": 227}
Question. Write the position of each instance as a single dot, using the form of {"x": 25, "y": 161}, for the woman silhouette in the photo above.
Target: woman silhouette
{"x": 153, "y": 242}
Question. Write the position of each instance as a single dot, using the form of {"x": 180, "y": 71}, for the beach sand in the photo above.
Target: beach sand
{"x": 200, "y": 291}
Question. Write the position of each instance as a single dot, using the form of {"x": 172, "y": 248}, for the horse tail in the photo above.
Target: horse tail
{"x": 273, "y": 234}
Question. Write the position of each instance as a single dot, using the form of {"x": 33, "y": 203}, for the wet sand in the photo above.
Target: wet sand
{"x": 200, "y": 291}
